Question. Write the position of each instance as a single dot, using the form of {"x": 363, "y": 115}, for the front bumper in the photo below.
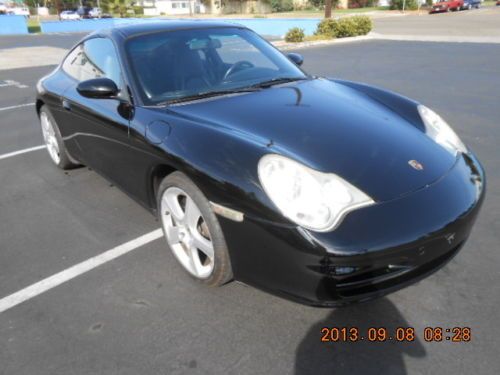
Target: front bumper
{"x": 375, "y": 250}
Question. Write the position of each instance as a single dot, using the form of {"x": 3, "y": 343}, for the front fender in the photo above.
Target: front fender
{"x": 223, "y": 164}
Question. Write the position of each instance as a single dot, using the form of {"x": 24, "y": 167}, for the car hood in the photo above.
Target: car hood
{"x": 331, "y": 128}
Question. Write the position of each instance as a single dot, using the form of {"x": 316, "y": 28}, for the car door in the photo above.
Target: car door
{"x": 99, "y": 127}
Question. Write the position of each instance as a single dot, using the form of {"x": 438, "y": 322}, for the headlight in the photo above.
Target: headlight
{"x": 437, "y": 129}
{"x": 312, "y": 199}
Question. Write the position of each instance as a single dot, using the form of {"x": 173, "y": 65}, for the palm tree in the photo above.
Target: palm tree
{"x": 328, "y": 8}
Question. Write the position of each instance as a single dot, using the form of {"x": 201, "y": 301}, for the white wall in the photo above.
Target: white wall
{"x": 173, "y": 7}
{"x": 43, "y": 11}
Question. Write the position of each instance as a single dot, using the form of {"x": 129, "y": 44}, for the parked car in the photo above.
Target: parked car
{"x": 3, "y": 8}
{"x": 320, "y": 190}
{"x": 19, "y": 11}
{"x": 446, "y": 6}
{"x": 95, "y": 13}
{"x": 84, "y": 11}
{"x": 69, "y": 15}
{"x": 469, "y": 4}
{"x": 498, "y": 2}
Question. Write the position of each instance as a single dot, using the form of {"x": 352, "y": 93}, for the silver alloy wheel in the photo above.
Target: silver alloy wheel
{"x": 187, "y": 232}
{"x": 49, "y": 135}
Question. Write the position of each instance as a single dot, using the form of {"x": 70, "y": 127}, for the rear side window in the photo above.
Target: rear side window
{"x": 95, "y": 58}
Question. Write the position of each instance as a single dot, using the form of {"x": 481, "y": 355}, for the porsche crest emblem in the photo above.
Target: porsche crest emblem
{"x": 415, "y": 165}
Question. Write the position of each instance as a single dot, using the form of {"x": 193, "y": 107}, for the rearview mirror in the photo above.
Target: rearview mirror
{"x": 296, "y": 58}
{"x": 98, "y": 88}
{"x": 197, "y": 44}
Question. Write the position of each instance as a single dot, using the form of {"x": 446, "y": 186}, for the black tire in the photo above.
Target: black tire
{"x": 65, "y": 161}
{"x": 222, "y": 271}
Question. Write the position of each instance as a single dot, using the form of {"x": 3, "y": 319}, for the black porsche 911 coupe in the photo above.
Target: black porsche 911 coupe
{"x": 320, "y": 190}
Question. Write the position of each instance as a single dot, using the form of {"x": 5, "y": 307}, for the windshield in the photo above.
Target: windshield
{"x": 168, "y": 66}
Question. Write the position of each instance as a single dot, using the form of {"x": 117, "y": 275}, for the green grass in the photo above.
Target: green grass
{"x": 321, "y": 13}
{"x": 359, "y": 10}
{"x": 33, "y": 26}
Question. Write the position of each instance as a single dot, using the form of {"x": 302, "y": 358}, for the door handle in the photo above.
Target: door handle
{"x": 66, "y": 105}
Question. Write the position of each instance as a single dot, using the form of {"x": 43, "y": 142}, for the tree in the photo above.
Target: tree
{"x": 329, "y": 4}
{"x": 328, "y": 8}
{"x": 119, "y": 6}
{"x": 281, "y": 5}
{"x": 317, "y": 3}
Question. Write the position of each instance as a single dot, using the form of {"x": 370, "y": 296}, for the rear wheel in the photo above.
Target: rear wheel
{"x": 53, "y": 140}
{"x": 192, "y": 230}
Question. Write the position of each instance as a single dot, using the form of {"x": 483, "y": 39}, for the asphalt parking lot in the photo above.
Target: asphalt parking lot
{"x": 139, "y": 313}
{"x": 481, "y": 22}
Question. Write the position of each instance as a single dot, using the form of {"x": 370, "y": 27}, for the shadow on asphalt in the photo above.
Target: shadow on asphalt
{"x": 362, "y": 357}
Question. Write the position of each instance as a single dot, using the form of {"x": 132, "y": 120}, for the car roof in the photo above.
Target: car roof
{"x": 133, "y": 29}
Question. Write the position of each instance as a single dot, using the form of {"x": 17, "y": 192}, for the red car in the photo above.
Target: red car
{"x": 447, "y": 5}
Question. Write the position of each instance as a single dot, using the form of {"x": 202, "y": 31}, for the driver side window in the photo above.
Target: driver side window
{"x": 95, "y": 58}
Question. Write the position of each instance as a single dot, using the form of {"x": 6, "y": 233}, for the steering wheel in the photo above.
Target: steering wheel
{"x": 239, "y": 65}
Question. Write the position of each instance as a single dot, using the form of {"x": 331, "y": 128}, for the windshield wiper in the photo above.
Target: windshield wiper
{"x": 277, "y": 81}
{"x": 206, "y": 94}
{"x": 252, "y": 88}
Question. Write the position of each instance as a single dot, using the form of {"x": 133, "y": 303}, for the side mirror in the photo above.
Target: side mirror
{"x": 296, "y": 58}
{"x": 98, "y": 88}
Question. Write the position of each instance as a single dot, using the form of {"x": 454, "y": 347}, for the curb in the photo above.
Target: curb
{"x": 282, "y": 45}
{"x": 438, "y": 38}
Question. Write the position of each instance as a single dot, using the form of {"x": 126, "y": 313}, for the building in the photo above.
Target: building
{"x": 187, "y": 7}
{"x": 172, "y": 7}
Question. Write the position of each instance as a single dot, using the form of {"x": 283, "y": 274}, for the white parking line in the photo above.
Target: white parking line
{"x": 24, "y": 151}
{"x": 77, "y": 270}
{"x": 12, "y": 83}
{"x": 16, "y": 106}
{"x": 30, "y": 149}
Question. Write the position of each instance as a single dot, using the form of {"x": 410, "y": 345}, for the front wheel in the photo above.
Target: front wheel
{"x": 192, "y": 230}
{"x": 53, "y": 140}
